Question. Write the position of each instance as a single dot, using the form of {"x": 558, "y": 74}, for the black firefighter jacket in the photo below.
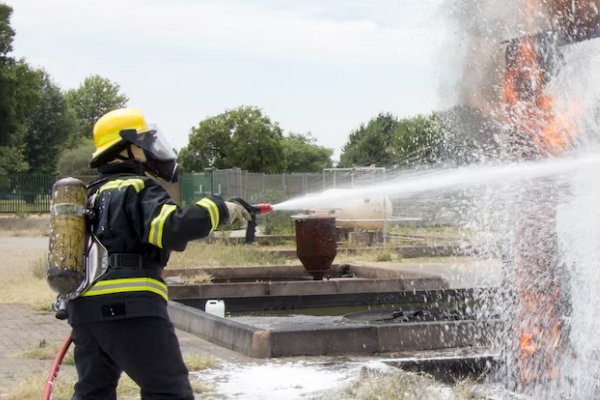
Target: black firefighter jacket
{"x": 139, "y": 224}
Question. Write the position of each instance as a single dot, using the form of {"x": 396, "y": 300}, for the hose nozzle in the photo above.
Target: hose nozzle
{"x": 254, "y": 210}
{"x": 263, "y": 208}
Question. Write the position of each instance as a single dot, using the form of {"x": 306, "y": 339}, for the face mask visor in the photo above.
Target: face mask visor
{"x": 153, "y": 142}
{"x": 161, "y": 158}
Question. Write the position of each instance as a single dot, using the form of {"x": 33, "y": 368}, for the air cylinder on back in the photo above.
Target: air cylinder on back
{"x": 66, "y": 266}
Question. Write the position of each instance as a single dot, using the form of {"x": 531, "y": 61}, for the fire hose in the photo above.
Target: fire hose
{"x": 253, "y": 209}
{"x": 56, "y": 367}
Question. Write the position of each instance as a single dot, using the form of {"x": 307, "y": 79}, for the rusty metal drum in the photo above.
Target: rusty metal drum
{"x": 316, "y": 243}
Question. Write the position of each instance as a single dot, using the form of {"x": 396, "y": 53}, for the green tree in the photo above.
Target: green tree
{"x": 19, "y": 95}
{"x": 12, "y": 160}
{"x": 242, "y": 137}
{"x": 37, "y": 120}
{"x": 302, "y": 154}
{"x": 34, "y": 117}
{"x": 6, "y": 32}
{"x": 93, "y": 98}
{"x": 50, "y": 123}
{"x": 371, "y": 143}
{"x": 76, "y": 161}
{"x": 419, "y": 140}
{"x": 11, "y": 119}
{"x": 208, "y": 144}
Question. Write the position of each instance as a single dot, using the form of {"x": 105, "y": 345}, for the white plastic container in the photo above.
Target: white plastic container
{"x": 215, "y": 307}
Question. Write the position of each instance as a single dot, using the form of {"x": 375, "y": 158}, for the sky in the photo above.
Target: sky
{"x": 312, "y": 66}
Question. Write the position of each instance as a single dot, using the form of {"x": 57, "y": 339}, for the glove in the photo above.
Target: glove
{"x": 236, "y": 213}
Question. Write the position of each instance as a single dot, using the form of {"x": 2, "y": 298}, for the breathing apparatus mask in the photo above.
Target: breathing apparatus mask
{"x": 160, "y": 157}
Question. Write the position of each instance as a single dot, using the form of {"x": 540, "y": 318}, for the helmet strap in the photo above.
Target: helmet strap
{"x": 130, "y": 152}
{"x": 129, "y": 156}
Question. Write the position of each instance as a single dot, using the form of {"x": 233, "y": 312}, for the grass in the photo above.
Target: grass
{"x": 428, "y": 236}
{"x": 25, "y": 225}
{"x": 389, "y": 386}
{"x": 198, "y": 362}
{"x": 445, "y": 260}
{"x": 20, "y": 207}
{"x": 401, "y": 385}
{"x": 197, "y": 279}
{"x": 45, "y": 351}
{"x": 205, "y": 255}
{"x": 28, "y": 287}
{"x": 463, "y": 389}
{"x": 29, "y": 290}
{"x": 31, "y": 387}
{"x": 201, "y": 254}
{"x": 432, "y": 230}
{"x": 39, "y": 267}
{"x": 384, "y": 255}
{"x": 381, "y": 255}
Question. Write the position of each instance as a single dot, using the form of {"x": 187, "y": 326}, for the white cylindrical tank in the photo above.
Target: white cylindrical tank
{"x": 367, "y": 211}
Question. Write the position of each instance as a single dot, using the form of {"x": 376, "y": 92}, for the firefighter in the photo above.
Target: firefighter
{"x": 120, "y": 323}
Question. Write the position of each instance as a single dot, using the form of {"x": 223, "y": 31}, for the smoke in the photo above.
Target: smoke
{"x": 481, "y": 29}
{"x": 474, "y": 54}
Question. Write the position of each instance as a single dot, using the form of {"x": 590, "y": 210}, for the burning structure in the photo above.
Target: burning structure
{"x": 537, "y": 128}
{"x": 534, "y": 124}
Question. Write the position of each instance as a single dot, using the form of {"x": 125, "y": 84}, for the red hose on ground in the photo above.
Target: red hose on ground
{"x": 56, "y": 367}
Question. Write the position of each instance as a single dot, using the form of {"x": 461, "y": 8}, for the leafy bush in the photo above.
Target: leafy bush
{"x": 76, "y": 161}
{"x": 277, "y": 223}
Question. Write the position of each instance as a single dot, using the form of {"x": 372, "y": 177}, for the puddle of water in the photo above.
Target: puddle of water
{"x": 280, "y": 380}
{"x": 320, "y": 380}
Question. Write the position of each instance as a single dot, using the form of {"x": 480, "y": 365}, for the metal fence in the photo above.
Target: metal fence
{"x": 352, "y": 177}
{"x": 25, "y": 193}
{"x": 254, "y": 187}
{"x": 32, "y": 193}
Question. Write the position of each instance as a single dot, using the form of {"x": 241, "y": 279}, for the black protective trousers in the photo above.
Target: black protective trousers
{"x": 146, "y": 348}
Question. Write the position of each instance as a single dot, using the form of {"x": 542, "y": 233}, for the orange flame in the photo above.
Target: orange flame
{"x": 530, "y": 110}
{"x": 545, "y": 129}
{"x": 539, "y": 327}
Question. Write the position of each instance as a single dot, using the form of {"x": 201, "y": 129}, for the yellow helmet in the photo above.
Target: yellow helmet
{"x": 107, "y": 132}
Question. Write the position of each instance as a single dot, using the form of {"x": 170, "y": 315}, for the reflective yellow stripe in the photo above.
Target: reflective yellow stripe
{"x": 138, "y": 184}
{"x": 125, "y": 285}
{"x": 156, "y": 226}
{"x": 213, "y": 211}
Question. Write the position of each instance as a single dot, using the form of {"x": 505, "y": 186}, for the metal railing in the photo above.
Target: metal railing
{"x": 254, "y": 187}
{"x": 22, "y": 193}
